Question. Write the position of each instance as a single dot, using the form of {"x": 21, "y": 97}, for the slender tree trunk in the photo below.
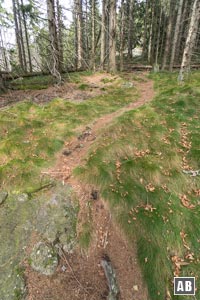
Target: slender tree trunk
{"x": 55, "y": 64}
{"x": 158, "y": 38}
{"x": 103, "y": 34}
{"x": 130, "y": 29}
{"x": 27, "y": 39}
{"x": 144, "y": 47}
{"x": 60, "y": 35}
{"x": 181, "y": 32}
{"x": 17, "y": 34}
{"x": 93, "y": 36}
{"x": 2, "y": 85}
{"x": 112, "y": 36}
{"x": 151, "y": 33}
{"x": 86, "y": 32}
{"x": 163, "y": 32}
{"x": 79, "y": 26}
{"x": 3, "y": 51}
{"x": 191, "y": 38}
{"x": 168, "y": 38}
{"x": 176, "y": 33}
{"x": 121, "y": 50}
{"x": 21, "y": 36}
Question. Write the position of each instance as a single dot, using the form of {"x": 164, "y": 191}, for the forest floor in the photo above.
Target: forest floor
{"x": 108, "y": 239}
{"x": 40, "y": 90}
{"x": 130, "y": 155}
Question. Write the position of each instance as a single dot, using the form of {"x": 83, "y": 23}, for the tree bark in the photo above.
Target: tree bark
{"x": 112, "y": 36}
{"x": 158, "y": 37}
{"x": 79, "y": 26}
{"x": 60, "y": 34}
{"x": 176, "y": 33}
{"x": 121, "y": 50}
{"x": 168, "y": 38}
{"x": 27, "y": 38}
{"x": 21, "y": 36}
{"x": 130, "y": 29}
{"x": 103, "y": 35}
{"x": 17, "y": 34}
{"x": 93, "y": 36}
{"x": 191, "y": 38}
{"x": 183, "y": 25}
{"x": 151, "y": 32}
{"x": 55, "y": 64}
{"x": 144, "y": 46}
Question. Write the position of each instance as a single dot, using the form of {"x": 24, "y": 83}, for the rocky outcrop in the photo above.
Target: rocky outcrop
{"x": 44, "y": 259}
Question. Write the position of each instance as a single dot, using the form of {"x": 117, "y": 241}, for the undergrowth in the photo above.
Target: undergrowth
{"x": 138, "y": 165}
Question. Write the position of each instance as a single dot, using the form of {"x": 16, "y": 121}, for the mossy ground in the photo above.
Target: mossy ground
{"x": 137, "y": 164}
{"x": 31, "y": 134}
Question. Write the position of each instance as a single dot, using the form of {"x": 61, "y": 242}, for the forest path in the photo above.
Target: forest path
{"x": 87, "y": 277}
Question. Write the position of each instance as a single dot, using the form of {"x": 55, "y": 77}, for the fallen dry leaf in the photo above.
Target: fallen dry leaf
{"x": 186, "y": 202}
{"x": 150, "y": 187}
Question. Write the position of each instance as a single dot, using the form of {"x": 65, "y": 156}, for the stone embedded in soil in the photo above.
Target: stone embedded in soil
{"x": 94, "y": 195}
{"x": 111, "y": 279}
{"x": 135, "y": 288}
{"x": 51, "y": 214}
{"x": 67, "y": 152}
{"x": 44, "y": 259}
{"x": 3, "y": 197}
{"x": 56, "y": 219}
{"x": 22, "y": 197}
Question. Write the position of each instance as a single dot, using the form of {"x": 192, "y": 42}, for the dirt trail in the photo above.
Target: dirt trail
{"x": 89, "y": 281}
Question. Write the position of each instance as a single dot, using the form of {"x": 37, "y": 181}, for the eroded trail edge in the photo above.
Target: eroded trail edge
{"x": 85, "y": 278}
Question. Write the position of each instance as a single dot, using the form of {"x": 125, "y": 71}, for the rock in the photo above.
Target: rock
{"x": 135, "y": 288}
{"x": 111, "y": 279}
{"x": 127, "y": 84}
{"x": 94, "y": 195}
{"x": 22, "y": 197}
{"x": 44, "y": 259}
{"x": 67, "y": 152}
{"x": 3, "y": 197}
{"x": 56, "y": 219}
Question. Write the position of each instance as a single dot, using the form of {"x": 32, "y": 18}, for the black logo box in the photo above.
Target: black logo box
{"x": 184, "y": 285}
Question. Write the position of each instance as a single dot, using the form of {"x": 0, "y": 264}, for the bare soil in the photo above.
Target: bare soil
{"x": 84, "y": 277}
{"x": 67, "y": 91}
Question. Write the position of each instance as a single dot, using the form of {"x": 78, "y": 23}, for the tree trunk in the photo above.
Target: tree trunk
{"x": 158, "y": 37}
{"x": 27, "y": 39}
{"x": 144, "y": 47}
{"x": 21, "y": 36}
{"x": 86, "y": 35}
{"x": 112, "y": 36}
{"x": 93, "y": 36}
{"x": 191, "y": 38}
{"x": 79, "y": 26}
{"x": 60, "y": 35}
{"x": 176, "y": 33}
{"x": 103, "y": 35}
{"x": 121, "y": 50}
{"x": 181, "y": 32}
{"x": 3, "y": 51}
{"x": 2, "y": 86}
{"x": 151, "y": 33}
{"x": 168, "y": 38}
{"x": 17, "y": 34}
{"x": 130, "y": 29}
{"x": 55, "y": 64}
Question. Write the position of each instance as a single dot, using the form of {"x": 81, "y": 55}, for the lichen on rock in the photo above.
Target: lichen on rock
{"x": 44, "y": 258}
